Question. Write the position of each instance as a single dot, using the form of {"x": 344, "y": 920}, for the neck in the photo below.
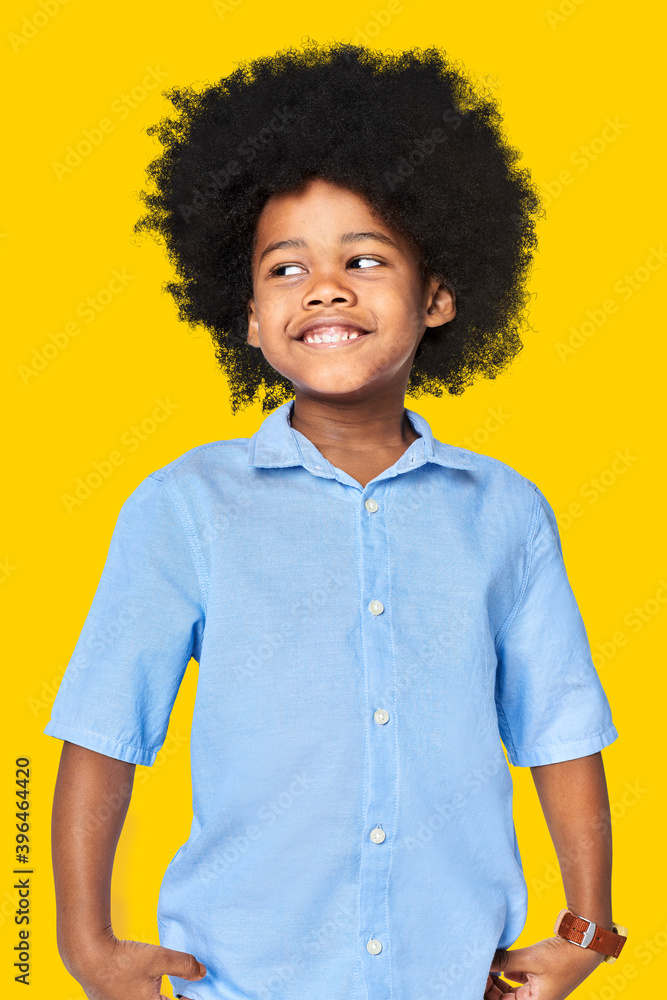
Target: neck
{"x": 368, "y": 426}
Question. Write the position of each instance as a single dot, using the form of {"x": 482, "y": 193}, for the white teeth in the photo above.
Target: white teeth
{"x": 327, "y": 338}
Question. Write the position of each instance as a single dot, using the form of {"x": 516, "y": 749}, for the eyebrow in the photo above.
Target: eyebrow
{"x": 298, "y": 243}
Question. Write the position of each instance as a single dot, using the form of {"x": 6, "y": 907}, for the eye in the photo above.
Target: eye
{"x": 373, "y": 260}
{"x": 284, "y": 267}
{"x": 281, "y": 267}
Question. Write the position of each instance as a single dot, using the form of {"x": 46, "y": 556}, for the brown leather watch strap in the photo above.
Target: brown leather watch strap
{"x": 575, "y": 928}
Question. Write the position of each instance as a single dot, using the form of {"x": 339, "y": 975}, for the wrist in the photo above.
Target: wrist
{"x": 593, "y": 908}
{"x": 583, "y": 932}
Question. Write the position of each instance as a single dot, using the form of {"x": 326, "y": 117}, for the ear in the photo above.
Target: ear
{"x": 253, "y": 325}
{"x": 440, "y": 303}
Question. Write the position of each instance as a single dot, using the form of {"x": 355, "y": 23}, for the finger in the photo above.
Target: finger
{"x": 516, "y": 977}
{"x": 499, "y": 960}
{"x": 167, "y": 962}
{"x": 512, "y": 963}
{"x": 503, "y": 988}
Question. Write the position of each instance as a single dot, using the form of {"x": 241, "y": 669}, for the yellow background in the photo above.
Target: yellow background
{"x": 560, "y": 71}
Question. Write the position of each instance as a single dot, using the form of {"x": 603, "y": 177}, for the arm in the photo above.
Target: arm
{"x": 84, "y": 845}
{"x": 573, "y": 796}
{"x": 90, "y": 804}
{"x": 574, "y": 800}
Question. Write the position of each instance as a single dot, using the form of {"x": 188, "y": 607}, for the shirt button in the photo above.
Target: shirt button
{"x": 371, "y": 505}
{"x": 377, "y": 607}
{"x": 377, "y": 835}
{"x": 374, "y": 946}
{"x": 381, "y": 715}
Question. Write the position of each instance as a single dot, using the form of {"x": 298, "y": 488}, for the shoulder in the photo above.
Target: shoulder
{"x": 486, "y": 471}
{"x": 187, "y": 479}
{"x": 499, "y": 491}
{"x": 202, "y": 461}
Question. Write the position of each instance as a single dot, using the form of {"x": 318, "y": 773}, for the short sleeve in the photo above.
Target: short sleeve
{"x": 551, "y": 704}
{"x": 145, "y": 622}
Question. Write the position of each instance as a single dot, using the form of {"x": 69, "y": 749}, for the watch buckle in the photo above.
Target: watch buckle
{"x": 589, "y": 934}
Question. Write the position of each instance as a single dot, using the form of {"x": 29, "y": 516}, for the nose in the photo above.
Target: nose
{"x": 327, "y": 288}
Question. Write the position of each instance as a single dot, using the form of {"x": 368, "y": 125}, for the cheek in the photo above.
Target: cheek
{"x": 399, "y": 305}
{"x": 274, "y": 310}
{"x": 270, "y": 324}
{"x": 402, "y": 312}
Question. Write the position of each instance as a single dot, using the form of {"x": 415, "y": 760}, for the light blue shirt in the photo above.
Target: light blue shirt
{"x": 362, "y": 654}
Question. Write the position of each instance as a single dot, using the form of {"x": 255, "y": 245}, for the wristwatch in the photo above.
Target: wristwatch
{"x": 586, "y": 934}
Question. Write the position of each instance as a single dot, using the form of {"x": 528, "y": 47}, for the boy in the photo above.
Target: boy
{"x": 372, "y": 610}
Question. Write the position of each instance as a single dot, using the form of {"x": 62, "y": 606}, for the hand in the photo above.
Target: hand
{"x": 112, "y": 969}
{"x": 548, "y": 970}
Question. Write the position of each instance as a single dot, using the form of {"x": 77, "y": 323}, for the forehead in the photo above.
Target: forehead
{"x": 318, "y": 212}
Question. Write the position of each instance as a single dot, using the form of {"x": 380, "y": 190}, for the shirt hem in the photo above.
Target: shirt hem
{"x": 563, "y": 751}
{"x": 102, "y": 744}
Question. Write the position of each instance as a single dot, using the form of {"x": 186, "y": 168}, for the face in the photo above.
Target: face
{"x": 323, "y": 257}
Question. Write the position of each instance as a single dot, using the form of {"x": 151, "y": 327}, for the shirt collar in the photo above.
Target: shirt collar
{"x": 277, "y": 444}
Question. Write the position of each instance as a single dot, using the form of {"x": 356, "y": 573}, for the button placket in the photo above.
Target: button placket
{"x": 381, "y": 789}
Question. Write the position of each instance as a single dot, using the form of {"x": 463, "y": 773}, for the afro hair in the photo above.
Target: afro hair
{"x": 408, "y": 131}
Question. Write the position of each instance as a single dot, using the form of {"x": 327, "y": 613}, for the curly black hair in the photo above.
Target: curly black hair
{"x": 409, "y": 131}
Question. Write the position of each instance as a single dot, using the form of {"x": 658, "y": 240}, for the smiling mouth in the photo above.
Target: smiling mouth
{"x": 332, "y": 336}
